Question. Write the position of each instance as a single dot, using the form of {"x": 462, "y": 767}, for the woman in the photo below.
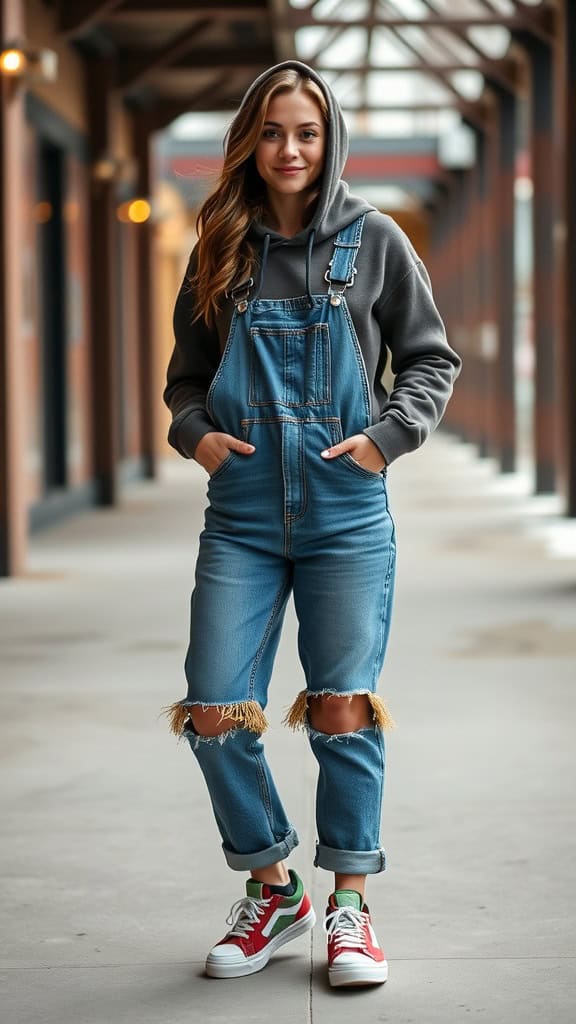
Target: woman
{"x": 293, "y": 295}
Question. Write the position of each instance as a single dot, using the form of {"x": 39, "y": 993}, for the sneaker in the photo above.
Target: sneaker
{"x": 354, "y": 956}
{"x": 260, "y": 923}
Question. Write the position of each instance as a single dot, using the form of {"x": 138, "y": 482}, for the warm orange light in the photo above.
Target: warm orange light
{"x": 138, "y": 211}
{"x": 43, "y": 212}
{"x": 71, "y": 211}
{"x": 12, "y": 62}
{"x": 122, "y": 213}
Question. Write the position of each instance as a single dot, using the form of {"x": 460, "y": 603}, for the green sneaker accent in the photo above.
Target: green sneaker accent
{"x": 282, "y": 923}
{"x": 254, "y": 889}
{"x": 298, "y": 891}
{"x": 347, "y": 898}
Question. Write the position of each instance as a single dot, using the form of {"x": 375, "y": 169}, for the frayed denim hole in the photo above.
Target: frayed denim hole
{"x": 315, "y": 734}
{"x": 196, "y": 739}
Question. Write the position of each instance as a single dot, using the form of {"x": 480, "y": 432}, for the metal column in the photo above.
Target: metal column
{"x": 102, "y": 282}
{"x": 504, "y": 263}
{"x": 13, "y": 515}
{"x": 546, "y": 431}
{"x": 148, "y": 379}
{"x": 569, "y": 297}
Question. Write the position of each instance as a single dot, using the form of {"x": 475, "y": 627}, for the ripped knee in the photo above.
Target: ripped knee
{"x": 210, "y": 721}
{"x": 216, "y": 719}
{"x": 331, "y": 714}
{"x": 335, "y": 713}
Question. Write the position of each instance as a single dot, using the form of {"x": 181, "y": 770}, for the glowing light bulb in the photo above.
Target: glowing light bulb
{"x": 139, "y": 211}
{"x": 12, "y": 62}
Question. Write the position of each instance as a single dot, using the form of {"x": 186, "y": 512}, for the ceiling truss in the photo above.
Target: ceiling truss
{"x": 215, "y": 51}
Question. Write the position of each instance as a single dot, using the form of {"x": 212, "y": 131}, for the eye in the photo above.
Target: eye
{"x": 270, "y": 133}
{"x": 308, "y": 135}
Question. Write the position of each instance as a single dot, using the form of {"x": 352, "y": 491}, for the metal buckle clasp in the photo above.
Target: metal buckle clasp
{"x": 239, "y": 295}
{"x": 337, "y": 293}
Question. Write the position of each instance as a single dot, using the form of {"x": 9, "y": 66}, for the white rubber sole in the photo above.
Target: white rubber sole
{"x": 352, "y": 974}
{"x": 216, "y": 968}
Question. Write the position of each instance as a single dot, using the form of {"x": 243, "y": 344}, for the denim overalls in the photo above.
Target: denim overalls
{"x": 292, "y": 382}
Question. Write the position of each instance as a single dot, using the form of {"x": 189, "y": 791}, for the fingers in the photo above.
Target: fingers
{"x": 362, "y": 450}
{"x": 236, "y": 445}
{"x": 339, "y": 449}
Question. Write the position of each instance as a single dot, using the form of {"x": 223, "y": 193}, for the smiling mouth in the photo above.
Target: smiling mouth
{"x": 290, "y": 170}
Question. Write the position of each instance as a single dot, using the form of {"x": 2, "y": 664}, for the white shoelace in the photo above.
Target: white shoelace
{"x": 244, "y": 914}
{"x": 346, "y": 927}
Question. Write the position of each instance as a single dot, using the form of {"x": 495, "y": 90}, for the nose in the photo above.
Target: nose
{"x": 289, "y": 146}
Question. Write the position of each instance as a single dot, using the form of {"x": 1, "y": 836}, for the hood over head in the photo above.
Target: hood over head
{"x": 336, "y": 206}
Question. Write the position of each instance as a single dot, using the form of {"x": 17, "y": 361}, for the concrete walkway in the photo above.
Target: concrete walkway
{"x": 113, "y": 884}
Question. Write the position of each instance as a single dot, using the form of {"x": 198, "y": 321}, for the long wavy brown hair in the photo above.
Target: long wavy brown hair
{"x": 225, "y": 255}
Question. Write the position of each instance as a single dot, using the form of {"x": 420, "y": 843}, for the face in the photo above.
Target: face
{"x": 290, "y": 153}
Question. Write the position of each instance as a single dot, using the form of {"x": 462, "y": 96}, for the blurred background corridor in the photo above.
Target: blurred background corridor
{"x": 462, "y": 123}
{"x": 462, "y": 119}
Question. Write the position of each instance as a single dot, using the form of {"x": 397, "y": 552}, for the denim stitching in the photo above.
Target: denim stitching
{"x": 264, "y": 788}
{"x": 357, "y": 468}
{"x": 247, "y": 421}
{"x": 224, "y": 465}
{"x": 267, "y": 631}
{"x": 221, "y": 365}
{"x": 383, "y": 613}
{"x": 360, "y": 360}
{"x": 380, "y": 740}
{"x": 293, "y": 516}
{"x": 301, "y": 302}
{"x": 326, "y": 349}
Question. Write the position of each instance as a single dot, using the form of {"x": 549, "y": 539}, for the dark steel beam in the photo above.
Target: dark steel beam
{"x": 541, "y": 21}
{"x": 503, "y": 71}
{"x": 569, "y": 177}
{"x": 424, "y": 67}
{"x": 103, "y": 285}
{"x": 504, "y": 256}
{"x": 302, "y": 18}
{"x": 213, "y": 103}
{"x": 165, "y": 109}
{"x": 13, "y": 367}
{"x": 472, "y": 112}
{"x": 545, "y": 320}
{"x": 490, "y": 340}
{"x": 216, "y": 11}
{"x": 214, "y": 59}
{"x": 74, "y": 19}
{"x": 147, "y": 383}
{"x": 542, "y": 110}
{"x": 135, "y": 67}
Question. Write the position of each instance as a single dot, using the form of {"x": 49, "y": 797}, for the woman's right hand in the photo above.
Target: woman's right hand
{"x": 214, "y": 447}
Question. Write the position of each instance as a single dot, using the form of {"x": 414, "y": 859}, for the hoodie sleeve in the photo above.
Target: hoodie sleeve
{"x": 424, "y": 364}
{"x": 192, "y": 366}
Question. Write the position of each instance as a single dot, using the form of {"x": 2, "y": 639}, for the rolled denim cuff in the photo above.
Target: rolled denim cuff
{"x": 350, "y": 862}
{"x": 262, "y": 858}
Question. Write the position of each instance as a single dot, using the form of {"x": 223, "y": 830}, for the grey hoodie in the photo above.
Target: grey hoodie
{"x": 391, "y": 305}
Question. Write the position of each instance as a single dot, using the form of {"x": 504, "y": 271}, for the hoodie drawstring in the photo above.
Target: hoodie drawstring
{"x": 309, "y": 248}
{"x": 264, "y": 261}
{"x": 265, "y": 250}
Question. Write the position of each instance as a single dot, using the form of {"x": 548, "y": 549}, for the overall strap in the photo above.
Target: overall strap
{"x": 341, "y": 270}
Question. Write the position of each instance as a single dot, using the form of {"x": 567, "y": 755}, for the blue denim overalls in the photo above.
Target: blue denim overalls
{"x": 292, "y": 382}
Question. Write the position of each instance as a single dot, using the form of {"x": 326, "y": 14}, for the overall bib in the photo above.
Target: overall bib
{"x": 292, "y": 382}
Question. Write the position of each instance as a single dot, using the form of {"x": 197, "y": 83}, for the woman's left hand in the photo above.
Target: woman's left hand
{"x": 362, "y": 450}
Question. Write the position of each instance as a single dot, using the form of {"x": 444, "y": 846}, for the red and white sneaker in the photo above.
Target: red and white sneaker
{"x": 354, "y": 956}
{"x": 260, "y": 923}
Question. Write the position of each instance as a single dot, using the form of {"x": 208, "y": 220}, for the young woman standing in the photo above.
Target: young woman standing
{"x": 294, "y": 295}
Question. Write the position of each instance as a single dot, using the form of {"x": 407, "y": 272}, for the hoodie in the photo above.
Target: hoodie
{"x": 391, "y": 306}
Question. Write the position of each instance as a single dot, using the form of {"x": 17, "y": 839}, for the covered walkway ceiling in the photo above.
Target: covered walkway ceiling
{"x": 412, "y": 58}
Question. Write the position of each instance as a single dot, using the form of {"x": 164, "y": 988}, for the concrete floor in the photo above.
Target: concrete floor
{"x": 113, "y": 884}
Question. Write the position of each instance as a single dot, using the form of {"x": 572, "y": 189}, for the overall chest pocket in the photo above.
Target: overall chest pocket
{"x": 290, "y": 366}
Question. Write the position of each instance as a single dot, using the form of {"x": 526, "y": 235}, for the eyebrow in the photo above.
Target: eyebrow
{"x": 305, "y": 124}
